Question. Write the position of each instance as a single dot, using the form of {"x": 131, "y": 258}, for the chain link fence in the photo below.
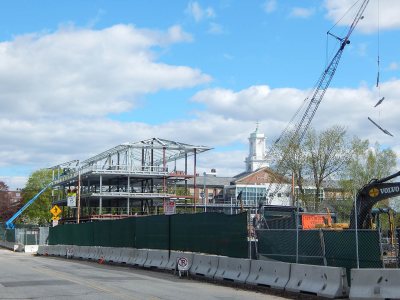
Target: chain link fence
{"x": 322, "y": 235}
{"x": 25, "y": 236}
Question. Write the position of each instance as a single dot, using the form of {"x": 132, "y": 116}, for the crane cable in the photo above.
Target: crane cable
{"x": 328, "y": 33}
{"x": 378, "y": 62}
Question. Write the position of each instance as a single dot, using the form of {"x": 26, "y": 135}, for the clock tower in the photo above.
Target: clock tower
{"x": 256, "y": 158}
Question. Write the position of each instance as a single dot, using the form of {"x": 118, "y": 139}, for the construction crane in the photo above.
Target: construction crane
{"x": 318, "y": 92}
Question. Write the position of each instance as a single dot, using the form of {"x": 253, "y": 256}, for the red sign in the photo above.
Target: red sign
{"x": 309, "y": 221}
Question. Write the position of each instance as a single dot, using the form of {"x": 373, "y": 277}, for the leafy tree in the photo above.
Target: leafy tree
{"x": 327, "y": 155}
{"x": 319, "y": 157}
{"x": 4, "y": 202}
{"x": 38, "y": 212}
{"x": 290, "y": 156}
{"x": 367, "y": 163}
{"x": 3, "y": 186}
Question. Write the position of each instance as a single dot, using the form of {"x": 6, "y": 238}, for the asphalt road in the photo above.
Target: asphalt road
{"x": 24, "y": 276}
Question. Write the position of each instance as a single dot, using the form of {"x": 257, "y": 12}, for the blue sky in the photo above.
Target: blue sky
{"x": 79, "y": 77}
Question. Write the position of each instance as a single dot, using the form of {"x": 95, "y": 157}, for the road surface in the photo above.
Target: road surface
{"x": 24, "y": 276}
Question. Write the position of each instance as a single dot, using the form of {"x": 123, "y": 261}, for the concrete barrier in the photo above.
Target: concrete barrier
{"x": 204, "y": 265}
{"x": 329, "y": 282}
{"x": 12, "y": 246}
{"x": 70, "y": 251}
{"x": 62, "y": 250}
{"x": 140, "y": 258}
{"x": 126, "y": 254}
{"x": 156, "y": 259}
{"x": 74, "y": 251}
{"x": 52, "y": 250}
{"x": 133, "y": 257}
{"x": 58, "y": 250}
{"x": 115, "y": 254}
{"x": 106, "y": 253}
{"x": 174, "y": 256}
{"x": 94, "y": 253}
{"x": 83, "y": 252}
{"x": 272, "y": 274}
{"x": 43, "y": 250}
{"x": 375, "y": 284}
{"x": 232, "y": 269}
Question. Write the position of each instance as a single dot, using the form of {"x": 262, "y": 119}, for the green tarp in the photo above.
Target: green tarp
{"x": 211, "y": 233}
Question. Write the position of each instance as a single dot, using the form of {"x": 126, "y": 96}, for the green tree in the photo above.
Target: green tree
{"x": 317, "y": 158}
{"x": 38, "y": 212}
{"x": 328, "y": 154}
{"x": 367, "y": 163}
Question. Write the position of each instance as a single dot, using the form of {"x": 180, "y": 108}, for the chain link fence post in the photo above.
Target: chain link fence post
{"x": 356, "y": 229}
{"x": 297, "y": 229}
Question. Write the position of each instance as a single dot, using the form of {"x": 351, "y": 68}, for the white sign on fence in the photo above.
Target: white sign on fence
{"x": 169, "y": 207}
{"x": 71, "y": 200}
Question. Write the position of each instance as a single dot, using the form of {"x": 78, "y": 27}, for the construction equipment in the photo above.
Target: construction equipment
{"x": 373, "y": 192}
{"x": 10, "y": 222}
{"x": 317, "y": 94}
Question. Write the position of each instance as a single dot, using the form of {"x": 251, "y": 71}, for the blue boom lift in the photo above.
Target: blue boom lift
{"x": 10, "y": 223}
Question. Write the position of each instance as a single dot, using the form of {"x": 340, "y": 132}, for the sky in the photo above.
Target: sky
{"x": 80, "y": 77}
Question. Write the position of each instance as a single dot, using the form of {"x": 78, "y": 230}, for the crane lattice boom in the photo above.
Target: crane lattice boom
{"x": 319, "y": 91}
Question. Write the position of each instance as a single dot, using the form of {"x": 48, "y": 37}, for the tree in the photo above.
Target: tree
{"x": 367, "y": 163}
{"x": 4, "y": 202}
{"x": 320, "y": 156}
{"x": 3, "y": 186}
{"x": 38, "y": 212}
{"x": 289, "y": 156}
{"x": 328, "y": 154}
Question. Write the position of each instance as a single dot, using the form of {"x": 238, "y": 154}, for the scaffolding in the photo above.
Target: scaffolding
{"x": 131, "y": 178}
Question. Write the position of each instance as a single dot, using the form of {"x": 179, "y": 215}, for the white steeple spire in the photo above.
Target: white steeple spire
{"x": 256, "y": 158}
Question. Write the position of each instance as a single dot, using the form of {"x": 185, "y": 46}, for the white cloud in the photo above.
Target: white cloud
{"x": 215, "y": 28}
{"x": 393, "y": 66}
{"x": 301, "y": 12}
{"x": 388, "y": 14}
{"x": 228, "y": 56}
{"x": 362, "y": 49}
{"x": 58, "y": 88}
{"x": 253, "y": 103}
{"x": 275, "y": 107}
{"x": 194, "y": 10}
{"x": 228, "y": 119}
{"x": 14, "y": 182}
{"x": 87, "y": 72}
{"x": 269, "y": 6}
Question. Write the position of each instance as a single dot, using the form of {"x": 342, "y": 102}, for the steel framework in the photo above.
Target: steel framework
{"x": 129, "y": 178}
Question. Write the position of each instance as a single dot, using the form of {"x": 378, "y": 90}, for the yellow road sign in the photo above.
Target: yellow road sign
{"x": 55, "y": 218}
{"x": 55, "y": 210}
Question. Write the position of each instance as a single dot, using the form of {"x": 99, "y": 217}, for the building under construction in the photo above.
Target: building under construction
{"x": 129, "y": 179}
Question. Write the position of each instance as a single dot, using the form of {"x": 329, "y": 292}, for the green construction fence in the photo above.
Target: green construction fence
{"x": 211, "y": 233}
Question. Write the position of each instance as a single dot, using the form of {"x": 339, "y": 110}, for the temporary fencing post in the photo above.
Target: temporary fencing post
{"x": 356, "y": 228}
{"x": 248, "y": 231}
{"x": 321, "y": 237}
{"x": 297, "y": 230}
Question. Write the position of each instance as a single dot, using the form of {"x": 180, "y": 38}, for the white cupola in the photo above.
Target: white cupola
{"x": 256, "y": 158}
